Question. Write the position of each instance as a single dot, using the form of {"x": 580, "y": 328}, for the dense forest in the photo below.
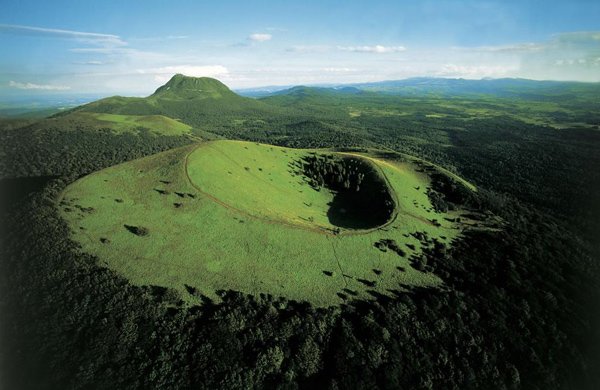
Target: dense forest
{"x": 518, "y": 307}
{"x": 361, "y": 195}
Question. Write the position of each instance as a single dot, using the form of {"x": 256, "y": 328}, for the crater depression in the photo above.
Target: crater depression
{"x": 336, "y": 193}
{"x": 321, "y": 226}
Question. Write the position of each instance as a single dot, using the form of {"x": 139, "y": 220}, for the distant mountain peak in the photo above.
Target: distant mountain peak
{"x": 191, "y": 87}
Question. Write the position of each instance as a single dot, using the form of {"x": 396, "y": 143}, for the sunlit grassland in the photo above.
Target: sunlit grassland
{"x": 158, "y": 124}
{"x": 248, "y": 230}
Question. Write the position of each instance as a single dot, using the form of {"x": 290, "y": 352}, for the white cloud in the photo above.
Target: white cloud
{"x": 124, "y": 52}
{"x": 260, "y": 37}
{"x": 475, "y": 71}
{"x": 514, "y": 48}
{"x": 562, "y": 56}
{"x": 159, "y": 39}
{"x": 578, "y": 37}
{"x": 557, "y": 42}
{"x": 373, "y": 49}
{"x": 45, "y": 87}
{"x": 356, "y": 49}
{"x": 94, "y": 38}
{"x": 339, "y": 70}
{"x": 163, "y": 74}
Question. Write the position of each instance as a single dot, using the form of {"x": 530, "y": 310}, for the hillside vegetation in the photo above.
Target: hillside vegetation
{"x": 241, "y": 216}
{"x": 105, "y": 295}
{"x": 191, "y": 100}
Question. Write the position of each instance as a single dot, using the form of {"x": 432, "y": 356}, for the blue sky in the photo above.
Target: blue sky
{"x": 132, "y": 47}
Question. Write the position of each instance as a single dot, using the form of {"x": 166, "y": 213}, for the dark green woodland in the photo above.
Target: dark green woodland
{"x": 519, "y": 306}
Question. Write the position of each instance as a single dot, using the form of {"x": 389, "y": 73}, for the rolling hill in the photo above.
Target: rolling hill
{"x": 443, "y": 87}
{"x": 194, "y": 101}
{"x": 311, "y": 225}
{"x": 182, "y": 111}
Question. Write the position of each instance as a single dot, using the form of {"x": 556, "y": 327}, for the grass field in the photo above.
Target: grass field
{"x": 155, "y": 124}
{"x": 234, "y": 215}
{"x": 158, "y": 124}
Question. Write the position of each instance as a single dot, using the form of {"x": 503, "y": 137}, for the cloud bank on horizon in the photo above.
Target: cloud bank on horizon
{"x": 84, "y": 49}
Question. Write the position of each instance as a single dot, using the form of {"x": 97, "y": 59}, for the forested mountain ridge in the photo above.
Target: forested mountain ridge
{"x": 449, "y": 87}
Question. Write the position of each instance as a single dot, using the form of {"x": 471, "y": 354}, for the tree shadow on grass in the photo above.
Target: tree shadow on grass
{"x": 137, "y": 230}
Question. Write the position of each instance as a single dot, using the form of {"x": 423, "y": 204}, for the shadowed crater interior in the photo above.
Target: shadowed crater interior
{"x": 362, "y": 199}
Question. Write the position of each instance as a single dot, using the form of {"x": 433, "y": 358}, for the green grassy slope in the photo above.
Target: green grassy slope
{"x": 157, "y": 124}
{"x": 195, "y": 101}
{"x": 79, "y": 142}
{"x": 121, "y": 105}
{"x": 262, "y": 173}
{"x": 181, "y": 87}
{"x": 117, "y": 123}
{"x": 197, "y": 244}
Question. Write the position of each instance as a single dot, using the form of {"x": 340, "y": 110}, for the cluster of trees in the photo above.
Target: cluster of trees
{"x": 31, "y": 152}
{"x": 550, "y": 170}
{"x": 335, "y": 173}
{"x": 362, "y": 198}
{"x": 445, "y": 193}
